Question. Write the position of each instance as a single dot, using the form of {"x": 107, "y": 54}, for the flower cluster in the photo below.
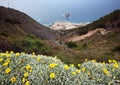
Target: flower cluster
{"x": 30, "y": 69}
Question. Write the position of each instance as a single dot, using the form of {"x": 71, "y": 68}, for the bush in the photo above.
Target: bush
{"x": 4, "y": 34}
{"x": 83, "y": 31}
{"x": 84, "y": 46}
{"x": 29, "y": 44}
{"x": 118, "y": 25}
{"x": 24, "y": 69}
{"x": 13, "y": 21}
{"x": 71, "y": 44}
{"x": 100, "y": 25}
{"x": 117, "y": 48}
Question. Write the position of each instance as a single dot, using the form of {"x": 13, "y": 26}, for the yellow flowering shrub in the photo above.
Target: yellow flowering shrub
{"x": 24, "y": 69}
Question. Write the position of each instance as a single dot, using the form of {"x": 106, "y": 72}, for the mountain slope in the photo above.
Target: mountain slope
{"x": 107, "y": 22}
{"x": 19, "y": 32}
{"x": 99, "y": 40}
{"x": 17, "y": 23}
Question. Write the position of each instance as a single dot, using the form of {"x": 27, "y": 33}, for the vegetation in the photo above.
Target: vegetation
{"x": 71, "y": 44}
{"x": 82, "y": 31}
{"x": 27, "y": 69}
{"x": 117, "y": 48}
{"x": 29, "y": 44}
{"x": 101, "y": 23}
{"x": 13, "y": 21}
{"x": 118, "y": 25}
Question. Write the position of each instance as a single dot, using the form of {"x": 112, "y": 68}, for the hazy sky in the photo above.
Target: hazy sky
{"x": 49, "y": 11}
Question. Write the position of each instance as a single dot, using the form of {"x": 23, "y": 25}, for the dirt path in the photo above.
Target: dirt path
{"x": 90, "y": 33}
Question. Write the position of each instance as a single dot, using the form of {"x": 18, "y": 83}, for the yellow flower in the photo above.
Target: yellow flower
{"x": 86, "y": 60}
{"x": 114, "y": 61}
{"x": 7, "y": 55}
{"x": 8, "y": 70}
{"x": 26, "y": 74}
{"x": 2, "y": 54}
{"x": 52, "y": 75}
{"x": 27, "y": 83}
{"x": 105, "y": 71}
{"x": 11, "y": 52}
{"x": 38, "y": 59}
{"x": 7, "y": 52}
{"x": 93, "y": 60}
{"x": 30, "y": 70}
{"x": 33, "y": 53}
{"x": 73, "y": 73}
{"x": 83, "y": 69}
{"x": 23, "y": 80}
{"x": 79, "y": 65}
{"x": 17, "y": 54}
{"x": 110, "y": 61}
{"x": 88, "y": 73}
{"x": 8, "y": 60}
{"x": 1, "y": 59}
{"x": 5, "y": 64}
{"x": 78, "y": 71}
{"x": 52, "y": 65}
{"x": 72, "y": 65}
{"x": 28, "y": 67}
{"x": 66, "y": 67}
{"x": 13, "y": 79}
{"x": 115, "y": 65}
{"x": 22, "y": 52}
{"x": 103, "y": 63}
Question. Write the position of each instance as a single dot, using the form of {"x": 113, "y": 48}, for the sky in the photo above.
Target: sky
{"x": 50, "y": 11}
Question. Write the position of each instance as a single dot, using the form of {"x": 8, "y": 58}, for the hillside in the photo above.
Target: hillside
{"x": 107, "y": 22}
{"x": 22, "y": 24}
{"x": 99, "y": 40}
{"x": 15, "y": 24}
{"x": 20, "y": 33}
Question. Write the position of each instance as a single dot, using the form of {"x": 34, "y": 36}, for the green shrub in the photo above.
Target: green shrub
{"x": 100, "y": 25}
{"x": 83, "y": 31}
{"x": 71, "y": 44}
{"x": 29, "y": 44}
{"x": 81, "y": 47}
{"x": 84, "y": 46}
{"x": 30, "y": 36}
{"x": 117, "y": 48}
